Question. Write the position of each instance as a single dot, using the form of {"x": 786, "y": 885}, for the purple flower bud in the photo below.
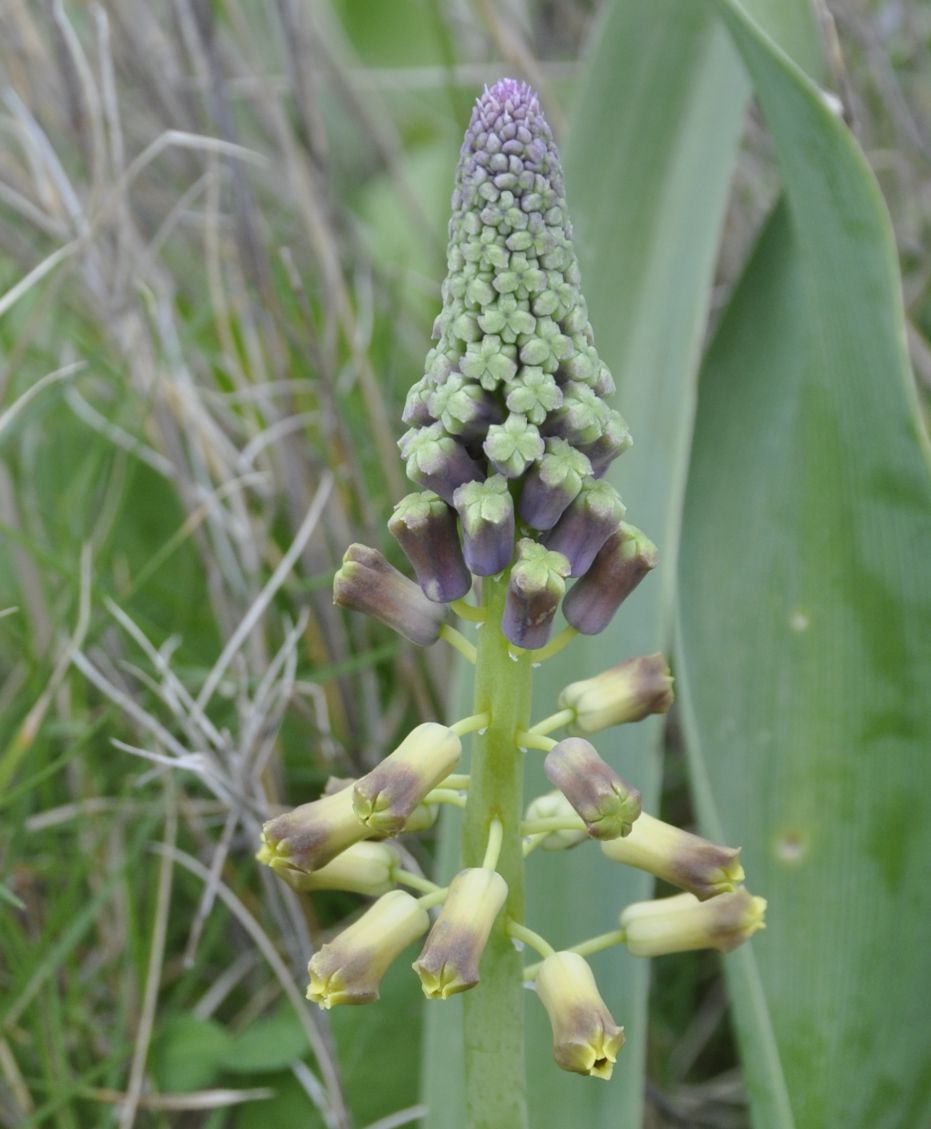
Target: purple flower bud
{"x": 417, "y": 405}
{"x": 367, "y": 583}
{"x": 437, "y": 462}
{"x": 605, "y": 802}
{"x": 581, "y": 417}
{"x": 552, "y": 483}
{"x": 585, "y": 526}
{"x": 535, "y": 587}
{"x": 425, "y": 528}
{"x": 614, "y": 440}
{"x": 621, "y": 563}
{"x": 486, "y": 511}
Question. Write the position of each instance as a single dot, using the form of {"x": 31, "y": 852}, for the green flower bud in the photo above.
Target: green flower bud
{"x": 534, "y": 395}
{"x": 627, "y": 692}
{"x": 586, "y": 1040}
{"x": 678, "y": 857}
{"x": 386, "y": 797}
{"x": 605, "y": 802}
{"x": 450, "y": 959}
{"x": 350, "y": 968}
{"x": 513, "y": 445}
{"x": 682, "y": 923}
{"x": 554, "y": 805}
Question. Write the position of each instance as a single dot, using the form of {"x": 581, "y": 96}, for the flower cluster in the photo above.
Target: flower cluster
{"x": 509, "y": 438}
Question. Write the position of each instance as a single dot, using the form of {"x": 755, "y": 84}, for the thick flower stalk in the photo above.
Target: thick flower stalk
{"x": 510, "y": 434}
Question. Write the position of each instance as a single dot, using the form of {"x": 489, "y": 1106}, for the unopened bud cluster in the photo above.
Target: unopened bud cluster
{"x": 510, "y": 435}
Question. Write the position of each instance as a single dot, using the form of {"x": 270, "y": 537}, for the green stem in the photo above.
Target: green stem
{"x": 496, "y": 1094}
{"x": 585, "y": 948}
{"x": 458, "y": 641}
{"x": 528, "y": 740}
{"x": 554, "y": 721}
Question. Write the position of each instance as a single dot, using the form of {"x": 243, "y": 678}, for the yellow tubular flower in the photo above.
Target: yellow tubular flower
{"x": 586, "y": 1040}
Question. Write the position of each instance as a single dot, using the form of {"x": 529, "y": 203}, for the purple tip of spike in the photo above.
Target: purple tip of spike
{"x": 510, "y": 94}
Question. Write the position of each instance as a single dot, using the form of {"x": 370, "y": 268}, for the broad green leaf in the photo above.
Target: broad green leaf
{"x": 649, "y": 155}
{"x": 803, "y": 645}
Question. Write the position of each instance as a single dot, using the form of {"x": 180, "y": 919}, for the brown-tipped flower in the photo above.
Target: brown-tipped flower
{"x": 368, "y": 583}
{"x": 629, "y": 691}
{"x": 679, "y": 857}
{"x": 586, "y": 1040}
{"x": 350, "y": 968}
{"x": 535, "y": 587}
{"x": 363, "y": 868}
{"x": 425, "y": 528}
{"x": 554, "y": 805}
{"x": 386, "y": 798}
{"x": 586, "y": 524}
{"x": 622, "y": 562}
{"x": 682, "y": 923}
{"x": 450, "y": 958}
{"x": 422, "y": 818}
{"x": 605, "y": 802}
{"x": 310, "y": 836}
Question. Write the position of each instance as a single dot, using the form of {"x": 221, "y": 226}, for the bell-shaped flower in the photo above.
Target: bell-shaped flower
{"x": 681, "y": 923}
{"x": 349, "y": 969}
{"x": 627, "y": 692}
{"x": 310, "y": 836}
{"x": 363, "y": 868}
{"x": 586, "y": 1040}
{"x": 386, "y": 798}
{"x": 450, "y": 959}
{"x": 678, "y": 857}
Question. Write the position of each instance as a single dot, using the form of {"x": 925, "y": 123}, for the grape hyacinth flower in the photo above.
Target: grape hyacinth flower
{"x": 510, "y": 437}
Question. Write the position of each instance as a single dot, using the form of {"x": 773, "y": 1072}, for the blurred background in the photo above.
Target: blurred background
{"x": 222, "y": 237}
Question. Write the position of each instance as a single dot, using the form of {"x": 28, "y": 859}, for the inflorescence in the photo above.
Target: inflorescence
{"x": 509, "y": 438}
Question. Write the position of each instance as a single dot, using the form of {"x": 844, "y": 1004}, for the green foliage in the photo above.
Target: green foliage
{"x": 207, "y": 284}
{"x": 805, "y": 608}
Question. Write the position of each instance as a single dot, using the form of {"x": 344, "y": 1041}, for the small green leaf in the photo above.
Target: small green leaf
{"x": 268, "y": 1043}
{"x": 189, "y": 1053}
